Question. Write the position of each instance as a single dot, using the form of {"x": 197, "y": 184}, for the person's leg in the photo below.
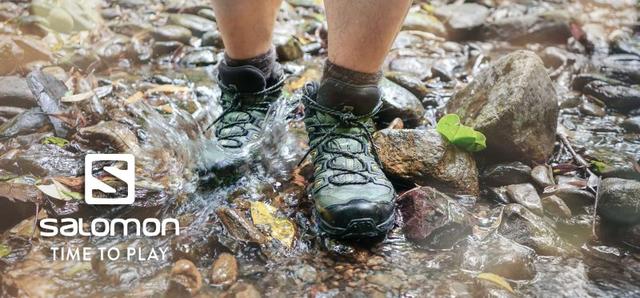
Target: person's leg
{"x": 362, "y": 31}
{"x": 250, "y": 80}
{"x": 246, "y": 26}
{"x": 352, "y": 196}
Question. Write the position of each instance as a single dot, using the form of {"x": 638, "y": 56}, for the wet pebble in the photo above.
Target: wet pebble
{"x": 15, "y": 92}
{"x": 619, "y": 200}
{"x": 224, "y": 271}
{"x": 212, "y": 39}
{"x": 461, "y": 19}
{"x": 198, "y": 25}
{"x": 556, "y": 207}
{"x": 409, "y": 82}
{"x": 523, "y": 226}
{"x": 242, "y": 290}
{"x": 591, "y": 109}
{"x": 185, "y": 279}
{"x": 288, "y": 49}
{"x": 400, "y": 103}
{"x": 172, "y": 33}
{"x": 500, "y": 256}
{"x": 506, "y": 174}
{"x": 526, "y": 195}
{"x": 542, "y": 175}
{"x": 423, "y": 22}
{"x": 161, "y": 48}
{"x": 201, "y": 57}
{"x": 432, "y": 218}
{"x": 631, "y": 125}
{"x": 620, "y": 97}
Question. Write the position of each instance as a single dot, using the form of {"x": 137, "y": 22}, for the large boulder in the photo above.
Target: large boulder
{"x": 424, "y": 157}
{"x": 620, "y": 200}
{"x": 514, "y": 104}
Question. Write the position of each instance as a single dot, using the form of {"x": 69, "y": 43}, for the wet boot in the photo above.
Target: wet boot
{"x": 246, "y": 97}
{"x": 353, "y": 197}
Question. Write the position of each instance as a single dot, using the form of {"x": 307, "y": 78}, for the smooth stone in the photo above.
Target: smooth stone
{"x": 224, "y": 271}
{"x": 506, "y": 174}
{"x": 501, "y": 256}
{"x": 161, "y": 48}
{"x": 556, "y": 207}
{"x": 619, "y": 200}
{"x": 288, "y": 49}
{"x": 497, "y": 194}
{"x": 398, "y": 102}
{"x": 198, "y": 25}
{"x": 201, "y": 57}
{"x": 591, "y": 109}
{"x": 172, "y": 33}
{"x": 461, "y": 19}
{"x": 432, "y": 218}
{"x": 15, "y": 92}
{"x": 185, "y": 280}
{"x": 524, "y": 227}
{"x": 619, "y": 97}
{"x": 574, "y": 197}
{"x": 423, "y": 22}
{"x": 542, "y": 175}
{"x": 631, "y": 125}
{"x": 511, "y": 101}
{"x": 60, "y": 20}
{"x": 424, "y": 157}
{"x": 409, "y": 82}
{"x": 526, "y": 195}
{"x": 212, "y": 39}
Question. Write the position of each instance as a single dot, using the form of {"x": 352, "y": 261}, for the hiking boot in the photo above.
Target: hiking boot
{"x": 246, "y": 97}
{"x": 353, "y": 197}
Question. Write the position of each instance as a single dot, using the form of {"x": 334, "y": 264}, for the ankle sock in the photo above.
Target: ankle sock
{"x": 348, "y": 90}
{"x": 349, "y": 76}
{"x": 264, "y": 62}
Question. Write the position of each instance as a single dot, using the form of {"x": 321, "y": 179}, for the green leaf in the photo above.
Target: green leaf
{"x": 60, "y": 142}
{"x": 598, "y": 166}
{"x": 461, "y": 135}
{"x": 5, "y": 250}
{"x": 448, "y": 126}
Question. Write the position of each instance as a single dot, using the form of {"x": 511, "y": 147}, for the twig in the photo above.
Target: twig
{"x": 582, "y": 162}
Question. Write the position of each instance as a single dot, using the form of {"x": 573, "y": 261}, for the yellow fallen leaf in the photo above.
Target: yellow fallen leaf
{"x": 134, "y": 98}
{"x": 281, "y": 228}
{"x": 497, "y": 279}
{"x": 168, "y": 89}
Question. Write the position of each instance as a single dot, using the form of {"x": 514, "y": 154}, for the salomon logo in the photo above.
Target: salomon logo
{"x": 92, "y": 183}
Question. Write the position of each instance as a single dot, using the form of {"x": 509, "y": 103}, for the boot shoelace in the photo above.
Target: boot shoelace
{"x": 260, "y": 102}
{"x": 330, "y": 134}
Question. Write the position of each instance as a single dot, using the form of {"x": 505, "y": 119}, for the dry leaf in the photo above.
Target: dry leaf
{"x": 58, "y": 191}
{"x": 498, "y": 280}
{"x": 281, "y": 228}
{"x": 134, "y": 98}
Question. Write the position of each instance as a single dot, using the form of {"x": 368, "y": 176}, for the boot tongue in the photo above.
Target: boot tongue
{"x": 344, "y": 97}
{"x": 246, "y": 78}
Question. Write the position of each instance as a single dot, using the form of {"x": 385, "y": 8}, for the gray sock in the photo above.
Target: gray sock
{"x": 264, "y": 62}
{"x": 349, "y": 76}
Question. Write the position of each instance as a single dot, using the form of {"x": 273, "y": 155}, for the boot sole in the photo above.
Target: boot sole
{"x": 358, "y": 228}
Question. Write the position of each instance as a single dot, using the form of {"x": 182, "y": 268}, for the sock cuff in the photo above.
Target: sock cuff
{"x": 349, "y": 76}
{"x": 264, "y": 62}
